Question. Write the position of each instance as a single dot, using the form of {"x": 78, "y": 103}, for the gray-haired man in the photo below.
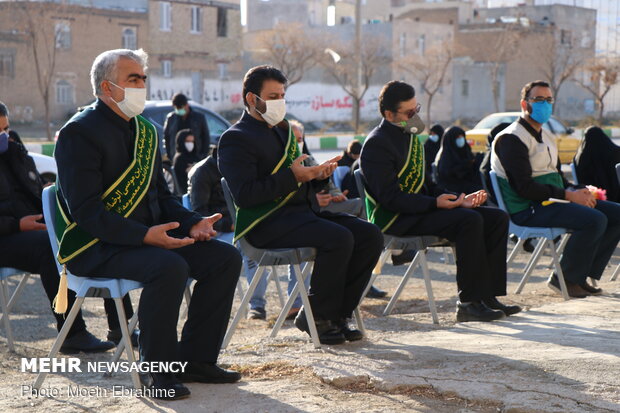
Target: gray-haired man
{"x": 111, "y": 182}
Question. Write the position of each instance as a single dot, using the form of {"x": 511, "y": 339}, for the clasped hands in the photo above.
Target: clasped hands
{"x": 473, "y": 200}
{"x": 157, "y": 235}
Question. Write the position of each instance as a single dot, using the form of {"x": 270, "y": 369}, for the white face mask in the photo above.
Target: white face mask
{"x": 133, "y": 104}
{"x": 275, "y": 110}
{"x": 189, "y": 146}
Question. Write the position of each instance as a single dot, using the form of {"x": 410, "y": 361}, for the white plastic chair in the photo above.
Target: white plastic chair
{"x": 7, "y": 303}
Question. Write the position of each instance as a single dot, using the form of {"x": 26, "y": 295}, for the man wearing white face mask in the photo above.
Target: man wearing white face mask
{"x": 111, "y": 185}
{"x": 183, "y": 117}
{"x": 277, "y": 206}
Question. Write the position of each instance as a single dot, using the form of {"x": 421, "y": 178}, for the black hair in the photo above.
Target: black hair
{"x": 392, "y": 94}
{"x": 525, "y": 92}
{"x": 179, "y": 100}
{"x": 254, "y": 78}
{"x": 4, "y": 111}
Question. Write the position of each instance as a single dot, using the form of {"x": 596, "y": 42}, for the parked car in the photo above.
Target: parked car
{"x": 46, "y": 165}
{"x": 567, "y": 145}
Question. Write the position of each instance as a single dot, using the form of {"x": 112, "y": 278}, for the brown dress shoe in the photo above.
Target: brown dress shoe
{"x": 575, "y": 291}
{"x": 591, "y": 289}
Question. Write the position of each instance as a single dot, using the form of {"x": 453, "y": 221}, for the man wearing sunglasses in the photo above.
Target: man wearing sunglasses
{"x": 402, "y": 202}
{"x": 525, "y": 158}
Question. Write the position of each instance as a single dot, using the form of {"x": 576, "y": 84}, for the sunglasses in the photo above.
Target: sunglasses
{"x": 411, "y": 113}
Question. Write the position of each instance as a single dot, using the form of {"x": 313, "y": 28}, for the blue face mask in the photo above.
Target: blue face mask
{"x": 180, "y": 112}
{"x": 434, "y": 138}
{"x": 4, "y": 142}
{"x": 460, "y": 142}
{"x": 541, "y": 111}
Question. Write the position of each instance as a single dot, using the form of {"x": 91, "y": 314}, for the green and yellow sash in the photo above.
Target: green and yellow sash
{"x": 410, "y": 180}
{"x": 248, "y": 218}
{"x": 122, "y": 197}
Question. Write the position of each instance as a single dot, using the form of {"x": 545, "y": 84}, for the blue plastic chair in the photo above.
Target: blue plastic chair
{"x": 89, "y": 287}
{"x": 392, "y": 242}
{"x": 573, "y": 171}
{"x": 614, "y": 276}
{"x": 546, "y": 235}
{"x": 7, "y": 303}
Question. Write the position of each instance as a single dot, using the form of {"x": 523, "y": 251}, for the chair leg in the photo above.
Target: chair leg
{"x": 276, "y": 280}
{"x": 560, "y": 273}
{"x": 18, "y": 291}
{"x": 515, "y": 250}
{"x": 307, "y": 308}
{"x": 188, "y": 297}
{"x": 122, "y": 321}
{"x": 401, "y": 286}
{"x": 242, "y": 307}
{"x": 5, "y": 315}
{"x": 429, "y": 288}
{"x": 382, "y": 259}
{"x": 60, "y": 339}
{"x": 540, "y": 247}
{"x": 133, "y": 322}
{"x": 359, "y": 320}
{"x": 446, "y": 256}
{"x": 615, "y": 274}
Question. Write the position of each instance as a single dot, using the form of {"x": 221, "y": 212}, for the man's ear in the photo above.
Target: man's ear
{"x": 524, "y": 106}
{"x": 106, "y": 88}
{"x": 250, "y": 99}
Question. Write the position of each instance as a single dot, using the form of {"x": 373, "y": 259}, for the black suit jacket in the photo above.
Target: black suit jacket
{"x": 247, "y": 154}
{"x": 199, "y": 127}
{"x": 93, "y": 150}
{"x": 383, "y": 156}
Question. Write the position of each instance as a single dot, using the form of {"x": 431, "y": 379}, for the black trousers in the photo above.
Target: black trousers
{"x": 347, "y": 251}
{"x": 31, "y": 251}
{"x": 480, "y": 235}
{"x": 213, "y": 264}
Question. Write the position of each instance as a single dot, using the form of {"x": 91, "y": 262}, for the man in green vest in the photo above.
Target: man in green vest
{"x": 525, "y": 158}
{"x": 401, "y": 201}
{"x": 277, "y": 206}
{"x": 119, "y": 220}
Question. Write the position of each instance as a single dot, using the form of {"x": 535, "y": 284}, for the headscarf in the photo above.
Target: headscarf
{"x": 456, "y": 166}
{"x": 431, "y": 148}
{"x": 596, "y": 161}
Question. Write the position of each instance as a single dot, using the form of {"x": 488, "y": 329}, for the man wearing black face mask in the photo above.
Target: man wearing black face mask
{"x": 276, "y": 196}
{"x": 24, "y": 243}
{"x": 406, "y": 203}
{"x": 525, "y": 158}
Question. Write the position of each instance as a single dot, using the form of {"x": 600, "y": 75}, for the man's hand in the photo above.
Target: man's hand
{"x": 157, "y": 236}
{"x": 203, "y": 230}
{"x": 308, "y": 173}
{"x": 342, "y": 197}
{"x": 29, "y": 223}
{"x": 449, "y": 201}
{"x": 581, "y": 196}
{"x": 475, "y": 199}
{"x": 323, "y": 198}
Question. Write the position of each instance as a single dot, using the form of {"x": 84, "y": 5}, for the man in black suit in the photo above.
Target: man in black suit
{"x": 261, "y": 162}
{"x": 158, "y": 242}
{"x": 392, "y": 164}
{"x": 183, "y": 117}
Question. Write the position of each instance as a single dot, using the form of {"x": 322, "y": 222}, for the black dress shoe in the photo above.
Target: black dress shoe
{"x": 374, "y": 292}
{"x": 327, "y": 331}
{"x": 404, "y": 257}
{"x": 591, "y": 289}
{"x": 203, "y": 372}
{"x": 573, "y": 290}
{"x": 257, "y": 313}
{"x": 116, "y": 335}
{"x": 494, "y": 304}
{"x": 350, "y": 334}
{"x": 85, "y": 342}
{"x": 163, "y": 386}
{"x": 476, "y": 311}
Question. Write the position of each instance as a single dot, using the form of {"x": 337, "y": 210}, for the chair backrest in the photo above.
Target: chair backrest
{"x": 186, "y": 202}
{"x": 230, "y": 203}
{"x": 498, "y": 193}
{"x": 618, "y": 171}
{"x": 361, "y": 189}
{"x": 434, "y": 172}
{"x": 49, "y": 213}
{"x": 573, "y": 171}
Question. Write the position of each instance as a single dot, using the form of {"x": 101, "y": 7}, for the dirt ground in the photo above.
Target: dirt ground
{"x": 278, "y": 374}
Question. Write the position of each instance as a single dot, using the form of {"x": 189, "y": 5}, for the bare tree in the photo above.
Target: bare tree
{"x": 291, "y": 49}
{"x": 43, "y": 39}
{"x": 341, "y": 62}
{"x": 503, "y": 50}
{"x": 601, "y": 74}
{"x": 429, "y": 70}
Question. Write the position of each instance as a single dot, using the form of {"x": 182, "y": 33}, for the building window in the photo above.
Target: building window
{"x": 129, "y": 38}
{"x": 62, "y": 32}
{"x": 165, "y": 16}
{"x": 196, "y": 19}
{"x": 422, "y": 44}
{"x": 7, "y": 64}
{"x": 464, "y": 87}
{"x": 565, "y": 37}
{"x": 222, "y": 26}
{"x": 64, "y": 93}
{"x": 223, "y": 70}
{"x": 402, "y": 44}
{"x": 166, "y": 68}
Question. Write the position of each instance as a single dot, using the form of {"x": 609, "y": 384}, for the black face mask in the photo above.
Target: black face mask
{"x": 413, "y": 125}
